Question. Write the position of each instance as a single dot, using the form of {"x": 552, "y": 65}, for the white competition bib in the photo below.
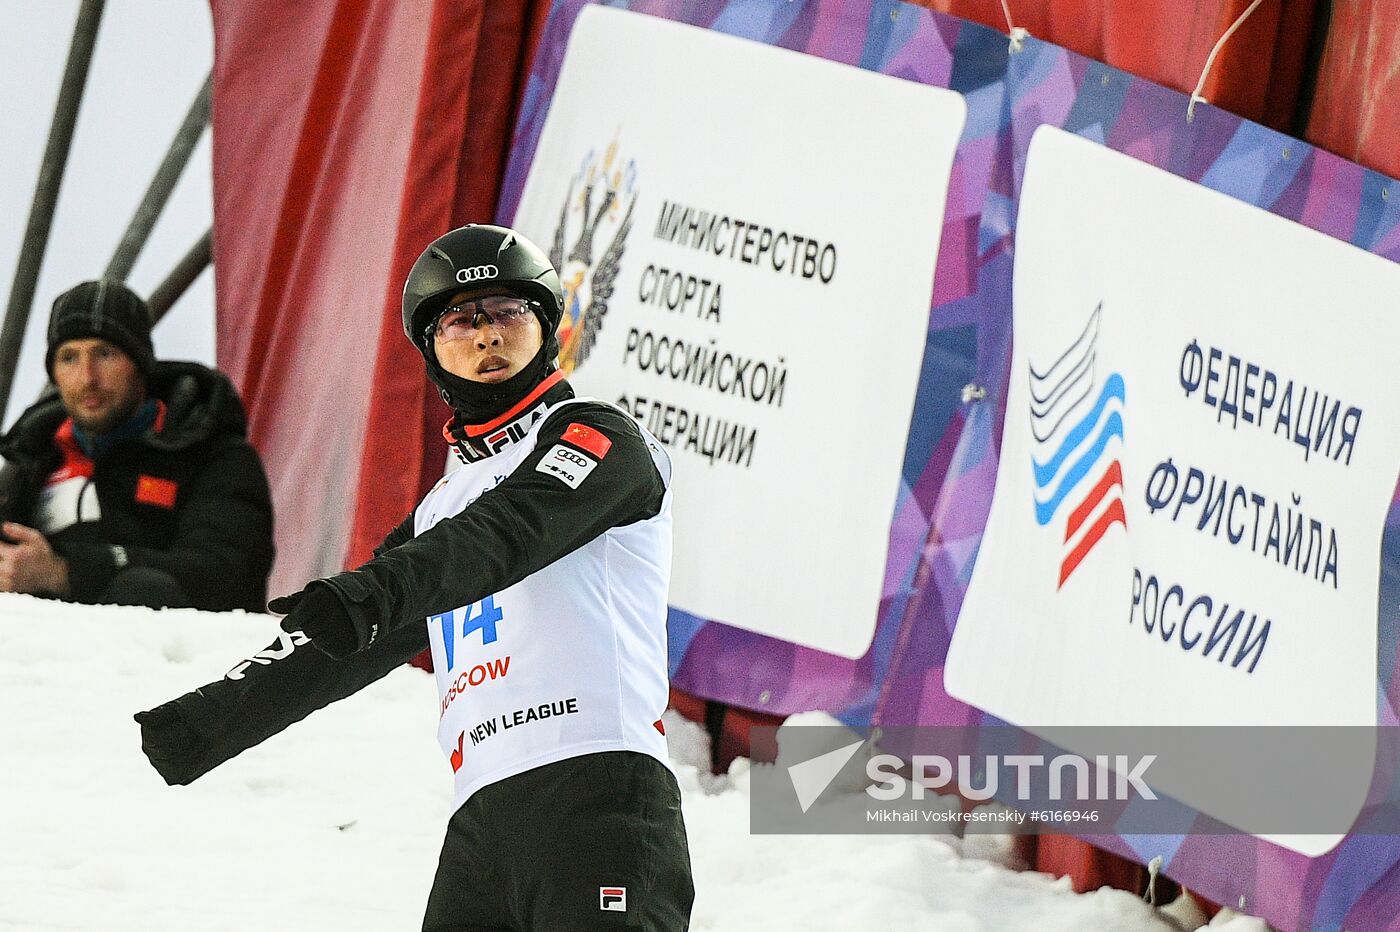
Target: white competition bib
{"x": 569, "y": 661}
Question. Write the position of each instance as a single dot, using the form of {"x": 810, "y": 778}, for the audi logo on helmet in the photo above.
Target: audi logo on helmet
{"x": 476, "y": 273}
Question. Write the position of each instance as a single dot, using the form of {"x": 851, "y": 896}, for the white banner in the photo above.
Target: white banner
{"x": 747, "y": 237}
{"x": 1200, "y": 448}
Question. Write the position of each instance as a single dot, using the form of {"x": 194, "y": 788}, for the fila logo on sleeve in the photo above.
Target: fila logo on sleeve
{"x": 612, "y": 899}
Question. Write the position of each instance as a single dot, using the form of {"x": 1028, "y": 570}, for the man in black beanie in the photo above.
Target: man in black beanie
{"x": 134, "y": 483}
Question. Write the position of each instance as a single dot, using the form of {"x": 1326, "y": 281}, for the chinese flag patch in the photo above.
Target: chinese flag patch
{"x": 152, "y": 490}
{"x": 588, "y": 438}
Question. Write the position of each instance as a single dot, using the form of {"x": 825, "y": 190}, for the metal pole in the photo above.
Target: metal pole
{"x": 181, "y": 277}
{"x": 36, "y": 234}
{"x": 166, "y": 177}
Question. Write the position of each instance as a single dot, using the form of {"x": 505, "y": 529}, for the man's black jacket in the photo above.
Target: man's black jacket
{"x": 216, "y": 540}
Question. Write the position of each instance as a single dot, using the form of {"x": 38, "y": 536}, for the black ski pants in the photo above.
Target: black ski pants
{"x": 591, "y": 842}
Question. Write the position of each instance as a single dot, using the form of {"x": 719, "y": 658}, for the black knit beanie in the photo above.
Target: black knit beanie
{"x": 105, "y": 309}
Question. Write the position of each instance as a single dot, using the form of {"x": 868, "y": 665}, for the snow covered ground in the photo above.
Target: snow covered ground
{"x": 336, "y": 823}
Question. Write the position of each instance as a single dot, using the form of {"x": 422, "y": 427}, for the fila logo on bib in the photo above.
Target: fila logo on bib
{"x": 612, "y": 899}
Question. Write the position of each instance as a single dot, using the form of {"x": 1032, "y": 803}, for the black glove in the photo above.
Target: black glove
{"x": 318, "y": 612}
{"x": 173, "y": 740}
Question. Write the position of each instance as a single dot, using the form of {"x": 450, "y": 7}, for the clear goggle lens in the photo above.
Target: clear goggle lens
{"x": 466, "y": 319}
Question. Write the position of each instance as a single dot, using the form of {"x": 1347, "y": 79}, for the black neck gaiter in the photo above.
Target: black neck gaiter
{"x": 477, "y": 441}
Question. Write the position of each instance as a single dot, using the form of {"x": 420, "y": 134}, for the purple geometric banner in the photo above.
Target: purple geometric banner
{"x": 950, "y": 464}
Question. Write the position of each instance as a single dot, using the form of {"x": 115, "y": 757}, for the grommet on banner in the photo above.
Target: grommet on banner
{"x": 1210, "y": 60}
{"x": 1017, "y": 33}
{"x": 972, "y": 392}
{"x": 1191, "y": 106}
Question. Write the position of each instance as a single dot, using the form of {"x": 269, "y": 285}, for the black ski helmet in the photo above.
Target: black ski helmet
{"x": 481, "y": 256}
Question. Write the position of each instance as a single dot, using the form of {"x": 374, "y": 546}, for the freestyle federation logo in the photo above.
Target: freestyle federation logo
{"x": 1074, "y": 419}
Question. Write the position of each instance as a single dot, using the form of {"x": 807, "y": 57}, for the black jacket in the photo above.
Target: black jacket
{"x": 216, "y": 540}
{"x": 527, "y": 522}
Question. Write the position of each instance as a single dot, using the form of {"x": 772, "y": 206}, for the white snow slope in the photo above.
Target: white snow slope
{"x": 336, "y": 823}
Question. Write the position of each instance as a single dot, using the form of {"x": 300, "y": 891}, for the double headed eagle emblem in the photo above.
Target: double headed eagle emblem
{"x": 588, "y": 287}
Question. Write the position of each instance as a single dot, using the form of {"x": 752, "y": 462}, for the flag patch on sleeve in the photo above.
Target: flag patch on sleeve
{"x": 567, "y": 465}
{"x": 588, "y": 438}
{"x": 152, "y": 490}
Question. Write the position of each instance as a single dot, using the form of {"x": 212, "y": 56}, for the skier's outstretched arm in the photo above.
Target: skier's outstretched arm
{"x": 190, "y": 736}
{"x": 279, "y": 686}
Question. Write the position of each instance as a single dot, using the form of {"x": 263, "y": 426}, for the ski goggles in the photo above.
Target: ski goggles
{"x": 466, "y": 319}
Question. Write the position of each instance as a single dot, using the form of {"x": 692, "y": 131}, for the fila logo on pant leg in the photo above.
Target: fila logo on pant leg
{"x": 612, "y": 899}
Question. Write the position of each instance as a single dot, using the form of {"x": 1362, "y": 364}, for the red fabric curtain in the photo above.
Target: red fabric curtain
{"x": 1257, "y": 75}
{"x": 347, "y": 135}
{"x": 1356, "y": 106}
{"x": 454, "y": 177}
